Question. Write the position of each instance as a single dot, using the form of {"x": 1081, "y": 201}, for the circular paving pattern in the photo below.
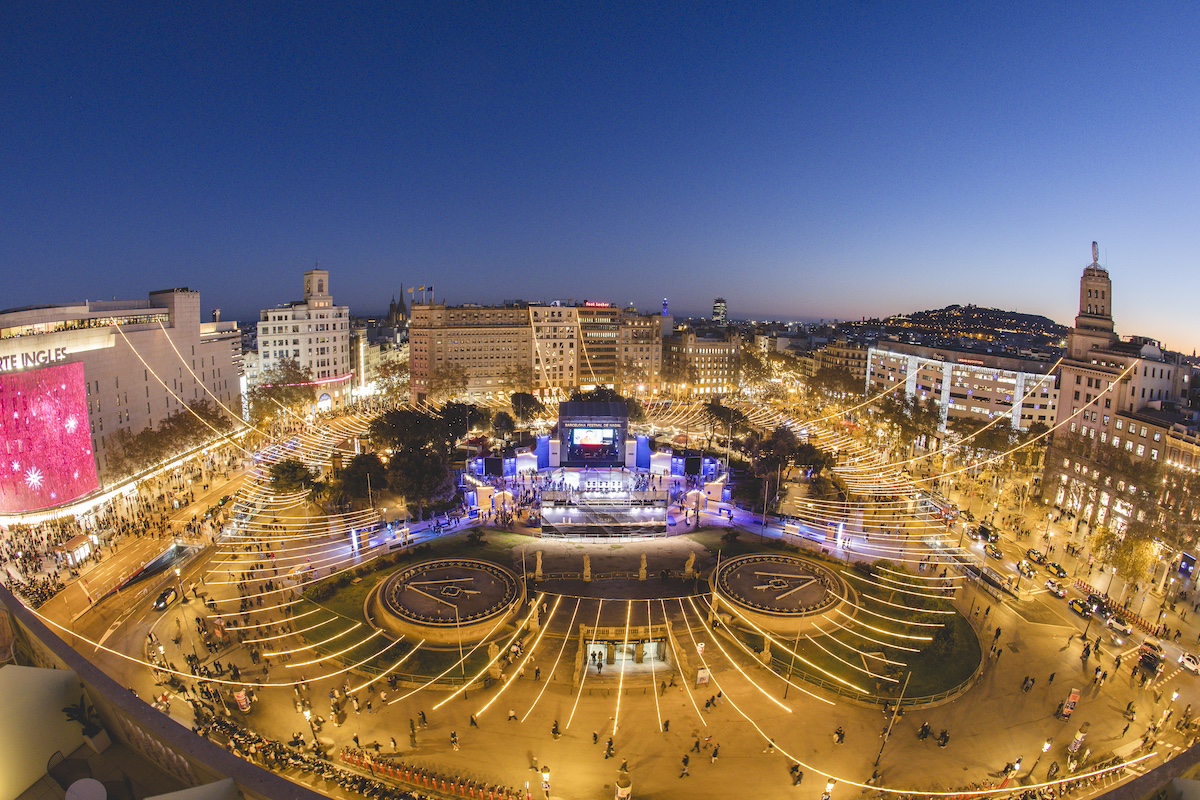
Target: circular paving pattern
{"x": 446, "y": 600}
{"x": 776, "y": 588}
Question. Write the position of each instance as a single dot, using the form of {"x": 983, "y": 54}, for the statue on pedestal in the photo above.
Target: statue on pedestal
{"x": 537, "y": 570}
{"x": 494, "y": 660}
{"x": 642, "y": 569}
{"x": 689, "y": 567}
{"x": 587, "y": 568}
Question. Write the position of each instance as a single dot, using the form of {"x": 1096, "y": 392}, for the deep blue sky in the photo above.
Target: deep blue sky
{"x": 805, "y": 160}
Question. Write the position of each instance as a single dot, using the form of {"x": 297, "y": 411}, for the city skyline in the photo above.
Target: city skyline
{"x": 830, "y": 162}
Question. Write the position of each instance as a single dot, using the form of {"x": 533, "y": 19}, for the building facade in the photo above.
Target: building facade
{"x": 841, "y": 354}
{"x": 1125, "y": 427}
{"x": 479, "y": 352}
{"x": 73, "y": 377}
{"x": 701, "y": 365}
{"x": 720, "y": 314}
{"x": 966, "y": 385}
{"x": 315, "y": 334}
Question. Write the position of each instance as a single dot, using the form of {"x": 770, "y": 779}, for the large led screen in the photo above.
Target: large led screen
{"x": 45, "y": 442}
{"x": 583, "y": 437}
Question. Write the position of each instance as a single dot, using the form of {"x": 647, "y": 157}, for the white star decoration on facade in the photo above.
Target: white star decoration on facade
{"x": 33, "y": 478}
{"x": 16, "y": 466}
{"x": 71, "y": 424}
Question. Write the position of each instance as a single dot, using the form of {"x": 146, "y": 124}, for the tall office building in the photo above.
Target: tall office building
{"x": 720, "y": 313}
{"x": 315, "y": 334}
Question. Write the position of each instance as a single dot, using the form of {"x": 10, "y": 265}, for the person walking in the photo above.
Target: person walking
{"x": 666, "y": 725}
{"x": 392, "y": 740}
{"x": 608, "y": 749}
{"x": 424, "y": 722}
{"x": 595, "y": 738}
{"x": 454, "y": 740}
{"x": 716, "y": 752}
{"x": 1050, "y": 680}
{"x": 683, "y": 773}
{"x": 537, "y": 673}
{"x": 474, "y": 724}
{"x": 512, "y": 715}
{"x": 696, "y": 746}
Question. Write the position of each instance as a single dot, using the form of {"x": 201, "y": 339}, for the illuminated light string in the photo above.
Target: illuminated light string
{"x": 279, "y": 636}
{"x": 313, "y": 645}
{"x": 203, "y": 385}
{"x": 653, "y": 658}
{"x": 624, "y": 661}
{"x": 562, "y": 647}
{"x": 500, "y": 621}
{"x": 395, "y": 666}
{"x": 675, "y": 652}
{"x": 338, "y": 654}
{"x": 487, "y": 666}
{"x": 717, "y": 641}
{"x": 583, "y": 680}
{"x": 851, "y": 574}
{"x": 881, "y": 631}
{"x": 187, "y": 675}
{"x": 753, "y": 655}
{"x": 886, "y": 789}
{"x": 207, "y": 424}
{"x": 862, "y": 635}
{"x": 519, "y": 668}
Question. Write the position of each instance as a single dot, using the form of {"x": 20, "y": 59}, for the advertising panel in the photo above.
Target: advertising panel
{"x": 45, "y": 440}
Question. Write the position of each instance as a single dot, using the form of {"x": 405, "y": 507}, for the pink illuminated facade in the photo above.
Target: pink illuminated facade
{"x": 45, "y": 439}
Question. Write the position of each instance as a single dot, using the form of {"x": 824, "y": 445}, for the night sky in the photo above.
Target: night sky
{"x": 805, "y": 160}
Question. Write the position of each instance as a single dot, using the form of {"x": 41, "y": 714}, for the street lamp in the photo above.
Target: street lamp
{"x": 1110, "y": 581}
{"x": 179, "y": 579}
{"x": 546, "y": 780}
{"x": 1045, "y": 749}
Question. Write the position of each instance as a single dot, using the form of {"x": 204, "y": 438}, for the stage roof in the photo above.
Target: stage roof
{"x": 583, "y": 409}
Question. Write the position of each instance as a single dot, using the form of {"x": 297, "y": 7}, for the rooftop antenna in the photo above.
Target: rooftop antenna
{"x": 1095, "y": 254}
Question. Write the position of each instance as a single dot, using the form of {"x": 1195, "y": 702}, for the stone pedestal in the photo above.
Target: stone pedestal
{"x": 610, "y": 656}
{"x": 638, "y": 652}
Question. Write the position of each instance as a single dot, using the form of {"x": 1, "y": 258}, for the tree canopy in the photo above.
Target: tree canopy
{"x": 285, "y": 384}
{"x": 291, "y": 475}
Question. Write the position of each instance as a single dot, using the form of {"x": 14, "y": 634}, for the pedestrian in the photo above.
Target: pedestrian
{"x": 696, "y": 746}
{"x": 797, "y": 774}
{"x": 1058, "y": 711}
{"x": 839, "y": 736}
{"x": 708, "y": 706}
{"x": 1125, "y": 730}
{"x": 554, "y": 731}
{"x": 716, "y": 751}
{"x": 684, "y": 769}
{"x": 412, "y": 726}
{"x": 662, "y": 689}
{"x": 512, "y": 715}
{"x": 624, "y": 765}
{"x": 770, "y": 748}
{"x": 1050, "y": 680}
{"x": 369, "y": 709}
{"x": 666, "y": 725}
{"x": 608, "y": 749}
{"x": 393, "y": 743}
{"x": 996, "y": 635}
{"x": 474, "y": 724}
{"x": 537, "y": 673}
{"x": 987, "y": 611}
{"x": 454, "y": 740}
{"x": 354, "y": 739}
{"x": 424, "y": 722}
{"x": 595, "y": 738}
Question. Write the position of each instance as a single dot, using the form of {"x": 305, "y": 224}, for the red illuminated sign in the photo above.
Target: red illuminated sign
{"x": 45, "y": 440}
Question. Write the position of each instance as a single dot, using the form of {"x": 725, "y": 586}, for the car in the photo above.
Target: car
{"x": 1151, "y": 663}
{"x": 1055, "y": 569}
{"x": 1026, "y": 569}
{"x": 1035, "y": 556}
{"x": 986, "y": 533}
{"x": 1118, "y": 623}
{"x": 1117, "y": 638}
{"x": 1080, "y": 607}
{"x": 1056, "y": 588}
{"x": 223, "y": 500}
{"x": 1153, "y": 647}
{"x": 993, "y": 551}
{"x": 165, "y": 599}
{"x": 1190, "y": 662}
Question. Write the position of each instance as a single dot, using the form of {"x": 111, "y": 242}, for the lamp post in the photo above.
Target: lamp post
{"x": 1046, "y": 745}
{"x": 546, "y": 780}
{"x": 1110, "y": 581}
{"x": 179, "y": 580}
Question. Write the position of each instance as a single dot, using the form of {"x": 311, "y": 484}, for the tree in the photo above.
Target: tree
{"x": 753, "y": 369}
{"x": 391, "y": 378}
{"x": 446, "y": 382}
{"x": 631, "y": 374}
{"x": 291, "y": 475}
{"x": 525, "y": 405}
{"x": 422, "y": 476}
{"x": 836, "y": 382}
{"x": 286, "y": 385}
{"x": 362, "y": 476}
{"x": 503, "y": 425}
{"x": 517, "y": 379}
{"x": 405, "y": 429}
